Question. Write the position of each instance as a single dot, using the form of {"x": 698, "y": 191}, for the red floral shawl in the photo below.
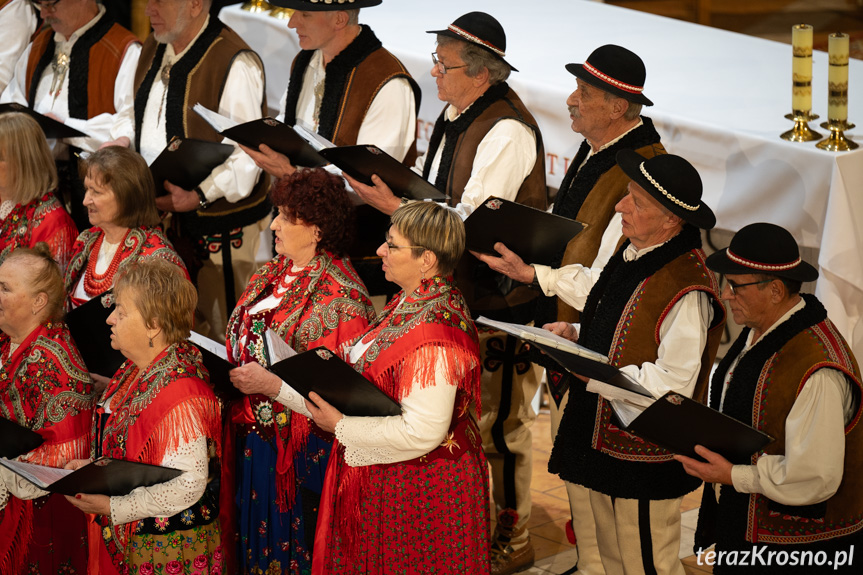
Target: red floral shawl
{"x": 170, "y": 402}
{"x": 42, "y": 220}
{"x": 326, "y": 305}
{"x": 138, "y": 243}
{"x": 407, "y": 338}
{"x": 44, "y": 386}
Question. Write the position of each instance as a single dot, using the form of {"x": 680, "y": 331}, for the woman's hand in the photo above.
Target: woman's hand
{"x": 96, "y": 504}
{"x": 76, "y": 464}
{"x": 324, "y": 415}
{"x": 564, "y": 329}
{"x": 100, "y": 382}
{"x": 252, "y": 378}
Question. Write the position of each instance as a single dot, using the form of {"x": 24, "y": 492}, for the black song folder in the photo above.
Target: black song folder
{"x": 360, "y": 162}
{"x": 679, "y": 423}
{"x": 51, "y": 127}
{"x": 92, "y": 335}
{"x": 278, "y": 136}
{"x": 216, "y": 361}
{"x": 16, "y": 439}
{"x": 323, "y": 372}
{"x": 535, "y": 235}
{"x": 105, "y": 476}
{"x": 187, "y": 162}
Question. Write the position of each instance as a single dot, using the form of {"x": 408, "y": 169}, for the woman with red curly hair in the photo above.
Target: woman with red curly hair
{"x": 311, "y": 296}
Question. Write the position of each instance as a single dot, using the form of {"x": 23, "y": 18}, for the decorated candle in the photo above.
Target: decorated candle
{"x": 801, "y": 68}
{"x": 837, "y": 78}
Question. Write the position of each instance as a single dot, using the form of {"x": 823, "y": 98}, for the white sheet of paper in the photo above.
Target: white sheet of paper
{"x": 543, "y": 336}
{"x": 219, "y": 122}
{"x": 210, "y": 345}
{"x": 38, "y": 475}
{"x": 277, "y": 349}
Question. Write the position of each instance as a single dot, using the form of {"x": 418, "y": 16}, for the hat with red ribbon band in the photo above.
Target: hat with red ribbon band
{"x": 324, "y": 5}
{"x": 616, "y": 70}
{"x": 763, "y": 248}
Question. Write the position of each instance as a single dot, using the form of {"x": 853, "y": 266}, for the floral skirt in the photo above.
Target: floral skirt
{"x": 195, "y": 551}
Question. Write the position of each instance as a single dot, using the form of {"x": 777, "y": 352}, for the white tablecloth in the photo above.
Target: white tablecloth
{"x": 720, "y": 100}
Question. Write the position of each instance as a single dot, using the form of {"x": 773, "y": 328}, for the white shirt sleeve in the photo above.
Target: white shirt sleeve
{"x": 241, "y": 101}
{"x": 422, "y": 426}
{"x": 682, "y": 337}
{"x": 169, "y": 498}
{"x": 17, "y": 24}
{"x": 14, "y": 91}
{"x": 390, "y": 122}
{"x": 572, "y": 283}
{"x": 504, "y": 158}
{"x": 99, "y": 127}
{"x": 811, "y": 469}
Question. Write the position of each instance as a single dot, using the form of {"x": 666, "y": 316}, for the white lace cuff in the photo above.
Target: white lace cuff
{"x": 291, "y": 399}
{"x": 745, "y": 478}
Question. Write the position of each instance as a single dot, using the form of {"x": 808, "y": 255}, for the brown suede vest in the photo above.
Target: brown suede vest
{"x": 532, "y": 193}
{"x": 817, "y": 347}
{"x": 106, "y": 56}
{"x": 636, "y": 341}
{"x": 205, "y": 84}
{"x": 596, "y": 212}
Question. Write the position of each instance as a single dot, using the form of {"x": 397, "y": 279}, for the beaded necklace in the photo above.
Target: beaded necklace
{"x": 95, "y": 284}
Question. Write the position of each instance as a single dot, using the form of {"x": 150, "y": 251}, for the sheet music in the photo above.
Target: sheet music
{"x": 277, "y": 349}
{"x": 219, "y": 122}
{"x": 38, "y": 475}
{"x": 543, "y": 336}
{"x": 210, "y": 345}
{"x": 314, "y": 139}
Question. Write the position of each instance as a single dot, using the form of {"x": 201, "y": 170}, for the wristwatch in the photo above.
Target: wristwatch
{"x": 203, "y": 203}
{"x": 535, "y": 283}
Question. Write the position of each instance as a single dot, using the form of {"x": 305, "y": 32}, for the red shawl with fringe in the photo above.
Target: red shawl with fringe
{"x": 407, "y": 339}
{"x": 152, "y": 412}
{"x": 42, "y": 220}
{"x": 325, "y": 305}
{"x": 44, "y": 386}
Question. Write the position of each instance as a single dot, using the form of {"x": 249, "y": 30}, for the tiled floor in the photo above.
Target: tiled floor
{"x": 554, "y": 554}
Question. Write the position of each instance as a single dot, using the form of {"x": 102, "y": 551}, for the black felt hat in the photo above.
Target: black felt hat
{"x": 763, "y": 248}
{"x": 324, "y": 5}
{"x": 673, "y": 182}
{"x": 616, "y": 70}
{"x": 481, "y": 29}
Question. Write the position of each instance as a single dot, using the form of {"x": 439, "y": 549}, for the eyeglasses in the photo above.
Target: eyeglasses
{"x": 49, "y": 5}
{"x": 733, "y": 286}
{"x": 443, "y": 68}
{"x": 391, "y": 246}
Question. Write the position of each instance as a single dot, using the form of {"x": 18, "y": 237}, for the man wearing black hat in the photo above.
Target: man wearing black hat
{"x": 654, "y": 310}
{"x": 792, "y": 375}
{"x": 485, "y": 143}
{"x": 605, "y": 109}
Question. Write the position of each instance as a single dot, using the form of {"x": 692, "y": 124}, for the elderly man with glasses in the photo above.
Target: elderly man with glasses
{"x": 80, "y": 70}
{"x": 792, "y": 375}
{"x": 486, "y": 143}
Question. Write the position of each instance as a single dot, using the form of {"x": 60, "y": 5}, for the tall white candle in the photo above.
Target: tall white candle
{"x": 801, "y": 68}
{"x": 837, "y": 78}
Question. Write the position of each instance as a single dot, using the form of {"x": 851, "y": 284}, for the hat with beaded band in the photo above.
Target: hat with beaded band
{"x": 324, "y": 5}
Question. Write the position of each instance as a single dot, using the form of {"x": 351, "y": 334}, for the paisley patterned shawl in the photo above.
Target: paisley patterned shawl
{"x": 45, "y": 387}
{"x": 138, "y": 243}
{"x": 326, "y": 305}
{"x": 42, "y": 220}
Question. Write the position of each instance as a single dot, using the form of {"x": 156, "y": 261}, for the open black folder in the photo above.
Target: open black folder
{"x": 92, "y": 335}
{"x": 535, "y": 235}
{"x": 679, "y": 423}
{"x": 216, "y": 361}
{"x": 16, "y": 439}
{"x": 323, "y": 372}
{"x": 105, "y": 476}
{"x": 187, "y": 162}
{"x": 51, "y": 127}
{"x": 278, "y": 136}
{"x": 360, "y": 162}
{"x": 571, "y": 356}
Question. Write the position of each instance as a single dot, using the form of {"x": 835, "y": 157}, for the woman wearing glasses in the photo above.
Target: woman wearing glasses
{"x": 409, "y": 493}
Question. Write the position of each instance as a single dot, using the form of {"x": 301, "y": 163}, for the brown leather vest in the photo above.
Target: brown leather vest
{"x": 532, "y": 193}
{"x": 596, "y": 212}
{"x": 106, "y": 56}
{"x": 636, "y": 341}
{"x": 205, "y": 84}
{"x": 813, "y": 348}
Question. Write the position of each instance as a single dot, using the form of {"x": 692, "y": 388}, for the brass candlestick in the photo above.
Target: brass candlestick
{"x": 256, "y": 6}
{"x": 801, "y": 132}
{"x": 281, "y": 13}
{"x": 836, "y": 141}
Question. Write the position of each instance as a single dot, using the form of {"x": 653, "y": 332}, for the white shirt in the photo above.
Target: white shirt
{"x": 241, "y": 101}
{"x": 98, "y": 128}
{"x": 811, "y": 469}
{"x": 504, "y": 159}
{"x": 389, "y": 123}
{"x": 17, "y": 24}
